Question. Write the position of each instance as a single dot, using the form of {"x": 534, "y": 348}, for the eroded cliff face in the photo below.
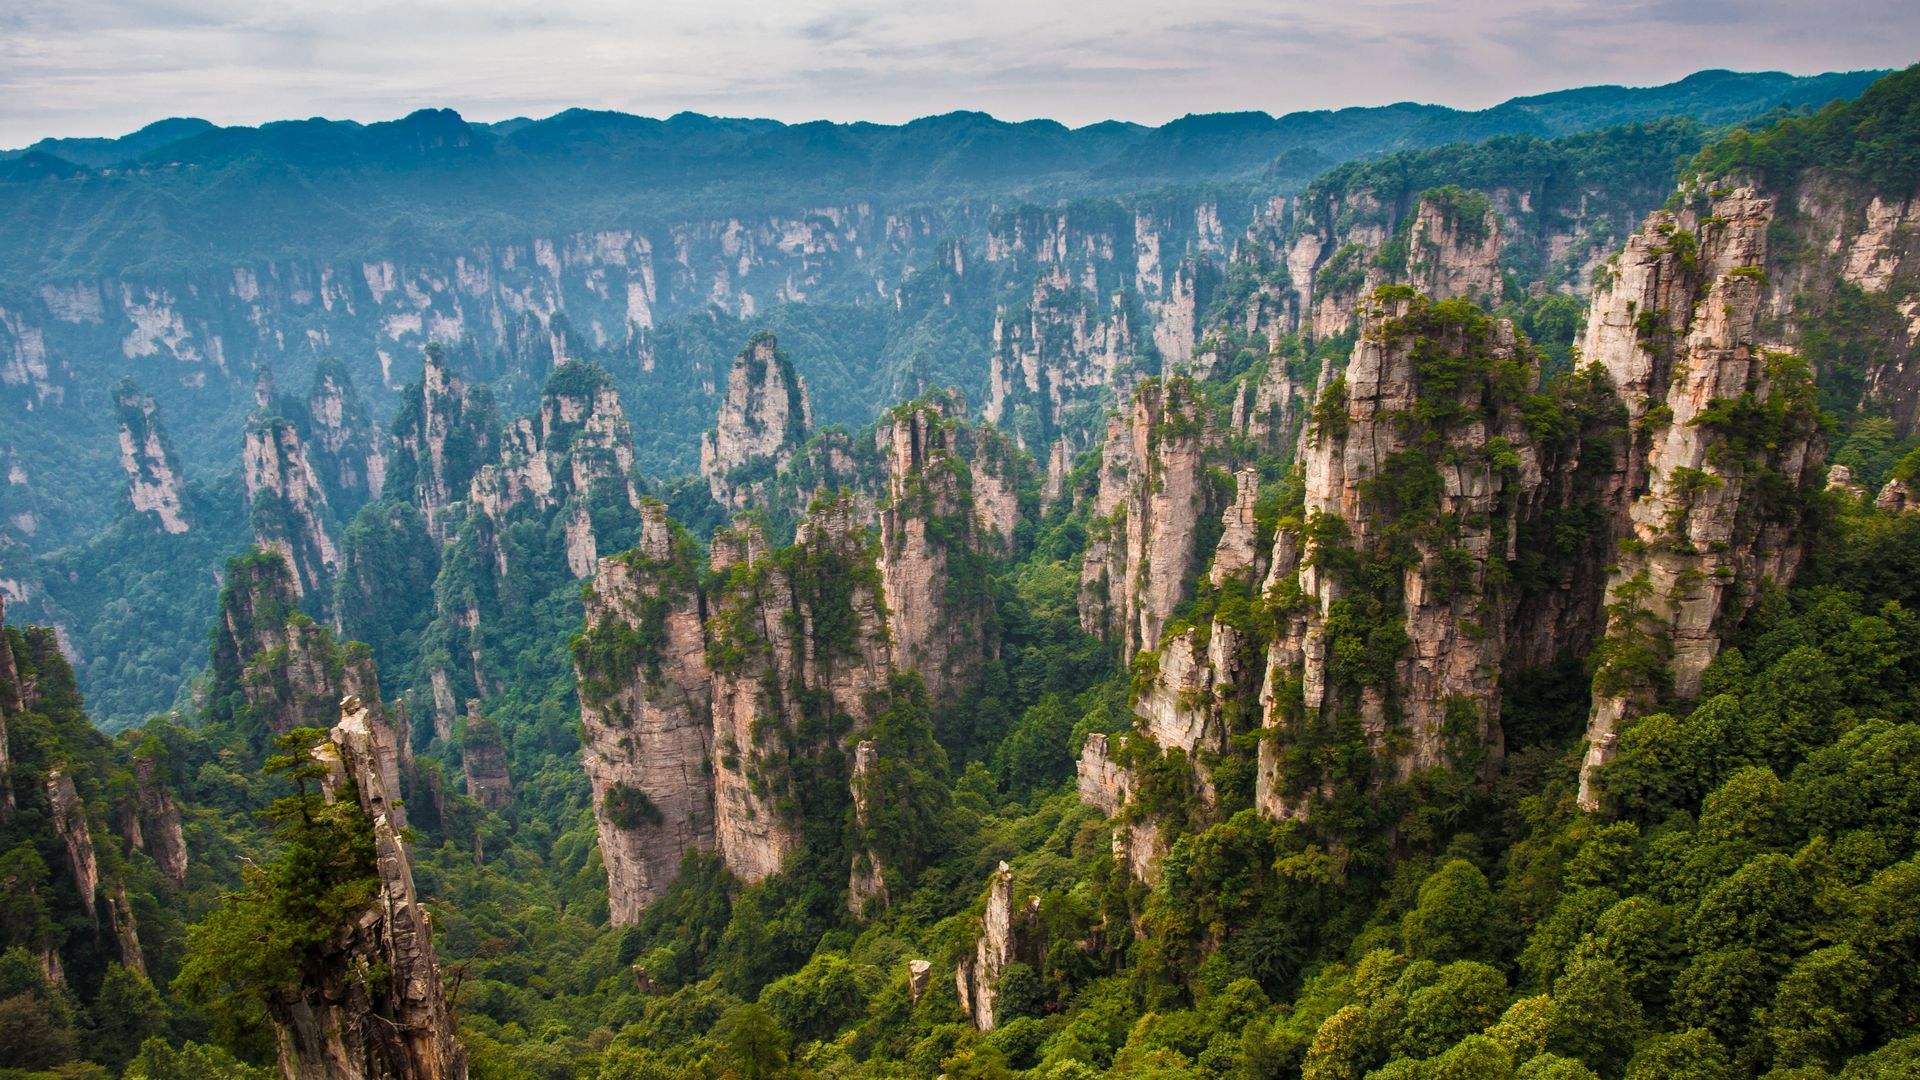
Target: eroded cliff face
{"x": 1143, "y": 546}
{"x": 1415, "y": 575}
{"x": 764, "y": 418}
{"x": 99, "y": 894}
{"x": 1007, "y": 933}
{"x": 647, "y": 711}
{"x": 444, "y": 433}
{"x": 154, "y": 483}
{"x": 483, "y": 761}
{"x": 287, "y": 504}
{"x": 346, "y": 449}
{"x": 371, "y": 1005}
{"x": 933, "y": 543}
{"x": 790, "y": 633}
{"x": 159, "y": 818}
{"x": 1727, "y": 445}
{"x": 285, "y": 669}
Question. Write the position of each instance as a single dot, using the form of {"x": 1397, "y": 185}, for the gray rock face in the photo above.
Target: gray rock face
{"x": 346, "y": 448}
{"x": 290, "y": 669}
{"x": 483, "y": 761}
{"x": 159, "y": 819}
{"x": 287, "y": 503}
{"x": 443, "y": 436}
{"x": 334, "y": 1025}
{"x": 1007, "y": 934}
{"x": 1143, "y": 547}
{"x": 930, "y": 532}
{"x": 763, "y": 420}
{"x": 646, "y": 707}
{"x": 866, "y": 882}
{"x": 1679, "y": 331}
{"x": 154, "y": 483}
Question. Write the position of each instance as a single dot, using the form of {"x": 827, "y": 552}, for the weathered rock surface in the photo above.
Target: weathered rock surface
{"x": 345, "y": 447}
{"x": 866, "y": 881}
{"x": 764, "y": 418}
{"x": 1143, "y": 547}
{"x": 483, "y": 761}
{"x": 1720, "y": 413}
{"x": 1007, "y": 934}
{"x": 646, "y": 707}
{"x": 154, "y": 483}
{"x": 371, "y": 1005}
{"x": 287, "y": 503}
{"x": 288, "y": 670}
{"x": 159, "y": 817}
{"x": 444, "y": 433}
{"x": 930, "y": 540}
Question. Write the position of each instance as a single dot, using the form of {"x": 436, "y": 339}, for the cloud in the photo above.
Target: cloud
{"x": 98, "y": 67}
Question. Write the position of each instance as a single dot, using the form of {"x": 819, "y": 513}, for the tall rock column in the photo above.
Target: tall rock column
{"x": 646, "y": 708}
{"x": 159, "y": 820}
{"x": 763, "y": 419}
{"x": 1395, "y": 595}
{"x": 931, "y": 554}
{"x": 443, "y": 434}
{"x": 372, "y": 1005}
{"x": 287, "y": 504}
{"x": 154, "y": 483}
{"x": 1144, "y": 548}
{"x": 1727, "y": 447}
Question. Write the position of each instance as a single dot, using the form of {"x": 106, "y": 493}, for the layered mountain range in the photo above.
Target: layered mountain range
{"x": 1436, "y": 618}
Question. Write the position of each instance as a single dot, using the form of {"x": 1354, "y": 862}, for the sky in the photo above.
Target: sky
{"x": 106, "y": 67}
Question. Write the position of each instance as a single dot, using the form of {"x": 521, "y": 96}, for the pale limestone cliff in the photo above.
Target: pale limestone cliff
{"x": 866, "y": 881}
{"x": 771, "y": 667}
{"x": 1421, "y": 479}
{"x": 764, "y": 418}
{"x": 1007, "y": 934}
{"x": 444, "y": 433}
{"x": 646, "y": 710}
{"x": 287, "y": 503}
{"x": 1721, "y": 413}
{"x": 346, "y": 448}
{"x": 1142, "y": 548}
{"x": 154, "y": 483}
{"x": 1453, "y": 249}
{"x": 371, "y": 1005}
{"x": 931, "y": 535}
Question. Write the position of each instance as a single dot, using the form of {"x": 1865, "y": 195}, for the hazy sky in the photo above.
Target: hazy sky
{"x": 104, "y": 67}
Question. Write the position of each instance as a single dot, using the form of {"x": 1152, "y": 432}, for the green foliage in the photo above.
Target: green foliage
{"x": 1875, "y": 138}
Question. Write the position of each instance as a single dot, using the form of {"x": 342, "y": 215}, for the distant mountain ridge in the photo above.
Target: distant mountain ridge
{"x": 182, "y": 193}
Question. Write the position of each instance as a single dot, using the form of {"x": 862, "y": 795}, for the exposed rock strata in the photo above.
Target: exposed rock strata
{"x": 154, "y": 483}
{"x": 371, "y": 1005}
{"x": 1007, "y": 934}
{"x": 764, "y": 418}
{"x": 1720, "y": 413}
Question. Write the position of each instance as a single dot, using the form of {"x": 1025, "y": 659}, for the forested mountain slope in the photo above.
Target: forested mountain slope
{"x": 1483, "y": 643}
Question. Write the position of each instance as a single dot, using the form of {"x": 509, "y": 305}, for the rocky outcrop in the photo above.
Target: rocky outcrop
{"x": 443, "y": 434}
{"x": 646, "y": 710}
{"x": 939, "y": 608}
{"x": 483, "y": 761}
{"x": 286, "y": 670}
{"x": 866, "y": 881}
{"x": 1407, "y": 586}
{"x": 1897, "y": 496}
{"x": 288, "y": 505}
{"x": 764, "y": 418}
{"x": 1143, "y": 546}
{"x": 154, "y": 483}
{"x": 1053, "y": 357}
{"x": 789, "y": 634}
{"x": 370, "y": 1005}
{"x": 1727, "y": 446}
{"x": 345, "y": 448}
{"x": 68, "y": 815}
{"x": 919, "y": 977}
{"x": 1007, "y": 934}
{"x": 159, "y": 819}
{"x": 1453, "y": 248}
